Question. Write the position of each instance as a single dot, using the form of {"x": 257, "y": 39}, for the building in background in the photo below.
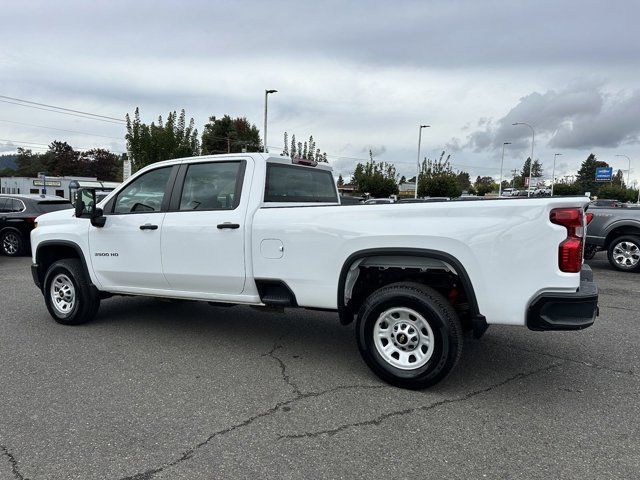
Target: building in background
{"x": 60, "y": 186}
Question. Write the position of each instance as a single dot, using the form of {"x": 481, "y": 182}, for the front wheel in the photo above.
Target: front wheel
{"x": 69, "y": 297}
{"x": 409, "y": 335}
{"x": 624, "y": 253}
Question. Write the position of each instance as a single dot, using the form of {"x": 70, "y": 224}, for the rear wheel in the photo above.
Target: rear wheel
{"x": 624, "y": 253}
{"x": 409, "y": 335}
{"x": 69, "y": 297}
{"x": 12, "y": 243}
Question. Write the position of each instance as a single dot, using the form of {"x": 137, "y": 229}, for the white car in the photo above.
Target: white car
{"x": 253, "y": 229}
{"x": 509, "y": 192}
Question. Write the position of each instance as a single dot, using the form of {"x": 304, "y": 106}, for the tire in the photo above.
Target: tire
{"x": 420, "y": 314}
{"x": 12, "y": 243}
{"x": 77, "y": 301}
{"x": 624, "y": 253}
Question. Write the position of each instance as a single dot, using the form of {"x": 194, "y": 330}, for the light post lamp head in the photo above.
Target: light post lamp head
{"x": 506, "y": 143}
{"x": 271, "y": 91}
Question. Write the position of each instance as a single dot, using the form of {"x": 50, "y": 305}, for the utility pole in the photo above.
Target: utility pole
{"x": 501, "y": 164}
{"x": 266, "y": 96}
{"x": 533, "y": 140}
{"x": 513, "y": 180}
{"x": 418, "y": 160}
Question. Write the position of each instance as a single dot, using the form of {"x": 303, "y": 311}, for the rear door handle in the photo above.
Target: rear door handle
{"x": 228, "y": 225}
{"x": 148, "y": 226}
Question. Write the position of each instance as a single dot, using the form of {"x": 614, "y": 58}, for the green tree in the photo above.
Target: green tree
{"x": 308, "y": 151}
{"x": 403, "y": 180}
{"x": 437, "y": 179}
{"x": 230, "y": 135}
{"x": 566, "y": 189}
{"x": 464, "y": 180}
{"x": 340, "y": 181}
{"x": 618, "y": 179}
{"x": 617, "y": 192}
{"x": 102, "y": 164}
{"x": 376, "y": 179}
{"x": 587, "y": 174}
{"x": 484, "y": 185}
{"x": 28, "y": 164}
{"x": 147, "y": 144}
{"x": 536, "y": 169}
{"x": 61, "y": 159}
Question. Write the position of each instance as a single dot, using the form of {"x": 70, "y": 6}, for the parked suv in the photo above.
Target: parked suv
{"x": 17, "y": 218}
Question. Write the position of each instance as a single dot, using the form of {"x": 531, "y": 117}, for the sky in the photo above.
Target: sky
{"x": 357, "y": 75}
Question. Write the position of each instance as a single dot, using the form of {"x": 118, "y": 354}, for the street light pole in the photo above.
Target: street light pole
{"x": 501, "y": 164}
{"x": 628, "y": 171}
{"x": 533, "y": 139}
{"x": 418, "y": 164}
{"x": 553, "y": 175}
{"x": 266, "y": 96}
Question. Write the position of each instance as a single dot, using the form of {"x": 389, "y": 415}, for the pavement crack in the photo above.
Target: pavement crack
{"x": 280, "y": 406}
{"x": 423, "y": 408}
{"x": 615, "y": 307}
{"x": 567, "y": 359}
{"x": 283, "y": 367}
{"x": 13, "y": 462}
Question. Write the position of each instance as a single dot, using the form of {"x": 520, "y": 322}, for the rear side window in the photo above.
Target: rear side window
{"x": 289, "y": 183}
{"x": 212, "y": 186}
{"x": 46, "y": 207}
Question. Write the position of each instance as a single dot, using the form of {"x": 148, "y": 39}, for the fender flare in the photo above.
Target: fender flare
{"x": 346, "y": 316}
{"x": 620, "y": 224}
{"x": 62, "y": 243}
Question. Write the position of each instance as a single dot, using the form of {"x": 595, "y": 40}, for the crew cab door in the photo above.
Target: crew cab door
{"x": 203, "y": 233}
{"x": 125, "y": 252}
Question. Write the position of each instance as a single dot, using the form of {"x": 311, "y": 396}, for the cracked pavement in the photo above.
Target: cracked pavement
{"x": 154, "y": 390}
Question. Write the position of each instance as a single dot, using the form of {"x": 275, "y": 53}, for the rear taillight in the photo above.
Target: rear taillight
{"x": 570, "y": 250}
{"x": 589, "y": 217}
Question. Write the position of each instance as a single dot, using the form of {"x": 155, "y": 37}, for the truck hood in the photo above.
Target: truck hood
{"x": 55, "y": 218}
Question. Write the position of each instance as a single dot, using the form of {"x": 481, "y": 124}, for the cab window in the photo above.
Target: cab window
{"x": 289, "y": 183}
{"x": 212, "y": 186}
{"x": 144, "y": 194}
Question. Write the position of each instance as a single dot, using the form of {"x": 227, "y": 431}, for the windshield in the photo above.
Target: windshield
{"x": 53, "y": 206}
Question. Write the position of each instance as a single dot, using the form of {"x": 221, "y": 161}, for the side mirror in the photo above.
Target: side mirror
{"x": 86, "y": 207}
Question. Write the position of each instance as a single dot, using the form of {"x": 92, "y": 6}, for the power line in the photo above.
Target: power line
{"x": 64, "y": 113}
{"x": 62, "y": 108}
{"x": 27, "y": 143}
{"x": 43, "y": 146}
{"x": 59, "y": 129}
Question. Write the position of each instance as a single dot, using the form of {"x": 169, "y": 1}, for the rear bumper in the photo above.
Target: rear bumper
{"x": 566, "y": 311}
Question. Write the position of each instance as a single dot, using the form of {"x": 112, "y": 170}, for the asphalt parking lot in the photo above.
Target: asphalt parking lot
{"x": 155, "y": 390}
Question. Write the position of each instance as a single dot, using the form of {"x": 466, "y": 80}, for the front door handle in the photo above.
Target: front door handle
{"x": 148, "y": 226}
{"x": 228, "y": 225}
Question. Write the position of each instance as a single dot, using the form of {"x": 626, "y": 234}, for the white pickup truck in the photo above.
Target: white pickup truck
{"x": 262, "y": 230}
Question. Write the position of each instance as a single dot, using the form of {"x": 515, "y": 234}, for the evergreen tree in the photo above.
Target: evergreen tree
{"x": 152, "y": 143}
{"x": 340, "y": 182}
{"x": 587, "y": 174}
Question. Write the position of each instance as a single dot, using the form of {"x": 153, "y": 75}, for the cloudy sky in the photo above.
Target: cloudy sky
{"x": 358, "y": 75}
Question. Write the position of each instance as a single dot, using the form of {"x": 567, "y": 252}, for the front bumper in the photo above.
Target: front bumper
{"x": 566, "y": 311}
{"x": 34, "y": 274}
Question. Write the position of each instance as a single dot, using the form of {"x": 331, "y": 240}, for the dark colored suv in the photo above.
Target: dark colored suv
{"x": 17, "y": 218}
